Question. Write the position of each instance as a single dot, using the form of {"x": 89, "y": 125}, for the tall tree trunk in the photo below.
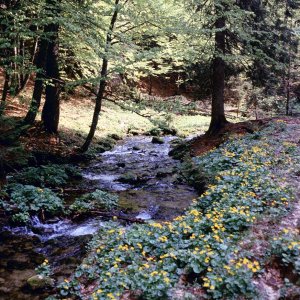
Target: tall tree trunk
{"x": 103, "y": 80}
{"x": 218, "y": 119}
{"x": 51, "y": 109}
{"x": 4, "y": 92}
{"x": 38, "y": 84}
{"x": 287, "y": 43}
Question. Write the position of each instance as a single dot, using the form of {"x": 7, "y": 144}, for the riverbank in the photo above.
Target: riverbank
{"x": 201, "y": 253}
{"x": 137, "y": 173}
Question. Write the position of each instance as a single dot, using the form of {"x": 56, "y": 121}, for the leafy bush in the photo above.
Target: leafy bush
{"x": 25, "y": 200}
{"x": 49, "y": 175}
{"x": 95, "y": 200}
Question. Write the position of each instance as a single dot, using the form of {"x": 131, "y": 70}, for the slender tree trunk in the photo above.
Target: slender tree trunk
{"x": 288, "y": 79}
{"x": 25, "y": 77}
{"x": 15, "y": 77}
{"x": 288, "y": 45}
{"x": 103, "y": 80}
{"x": 218, "y": 119}
{"x": 51, "y": 109}
{"x": 7, "y": 66}
{"x": 38, "y": 84}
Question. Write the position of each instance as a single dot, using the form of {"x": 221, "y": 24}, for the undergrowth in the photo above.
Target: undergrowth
{"x": 33, "y": 192}
{"x": 201, "y": 247}
{"x": 49, "y": 175}
{"x": 95, "y": 200}
{"x": 26, "y": 200}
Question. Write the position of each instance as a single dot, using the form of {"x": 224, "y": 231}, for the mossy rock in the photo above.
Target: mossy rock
{"x": 155, "y": 131}
{"x": 129, "y": 178}
{"x": 38, "y": 282}
{"x": 157, "y": 140}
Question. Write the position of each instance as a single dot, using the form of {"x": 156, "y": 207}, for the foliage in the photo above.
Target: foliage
{"x": 95, "y": 200}
{"x": 48, "y": 175}
{"x": 25, "y": 200}
{"x": 287, "y": 247}
{"x": 44, "y": 269}
{"x": 203, "y": 242}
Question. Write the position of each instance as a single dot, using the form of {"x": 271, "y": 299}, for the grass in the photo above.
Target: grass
{"x": 76, "y": 119}
{"x": 189, "y": 125}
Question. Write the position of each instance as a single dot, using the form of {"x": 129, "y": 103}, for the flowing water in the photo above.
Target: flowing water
{"x": 147, "y": 182}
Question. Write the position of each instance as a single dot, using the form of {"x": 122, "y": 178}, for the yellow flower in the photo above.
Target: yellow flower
{"x": 194, "y": 212}
{"x": 157, "y": 225}
{"x": 163, "y": 239}
{"x": 167, "y": 280}
{"x": 111, "y": 296}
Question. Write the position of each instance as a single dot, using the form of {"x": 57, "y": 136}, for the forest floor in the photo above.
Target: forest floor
{"x": 119, "y": 117}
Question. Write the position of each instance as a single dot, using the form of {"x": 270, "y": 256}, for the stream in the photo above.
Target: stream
{"x": 146, "y": 180}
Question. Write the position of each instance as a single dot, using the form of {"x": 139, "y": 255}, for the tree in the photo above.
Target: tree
{"x": 39, "y": 78}
{"x": 50, "y": 113}
{"x": 103, "y": 78}
{"x": 218, "y": 119}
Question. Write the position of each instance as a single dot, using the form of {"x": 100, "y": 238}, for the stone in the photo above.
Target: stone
{"x": 157, "y": 140}
{"x": 155, "y": 131}
{"x": 136, "y": 148}
{"x": 128, "y": 178}
{"x": 39, "y": 282}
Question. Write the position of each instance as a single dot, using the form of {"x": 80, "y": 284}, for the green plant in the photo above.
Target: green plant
{"x": 25, "y": 200}
{"x": 95, "y": 200}
{"x": 48, "y": 175}
{"x": 287, "y": 248}
{"x": 202, "y": 244}
{"x": 44, "y": 269}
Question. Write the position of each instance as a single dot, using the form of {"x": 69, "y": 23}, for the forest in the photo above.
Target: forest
{"x": 149, "y": 149}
